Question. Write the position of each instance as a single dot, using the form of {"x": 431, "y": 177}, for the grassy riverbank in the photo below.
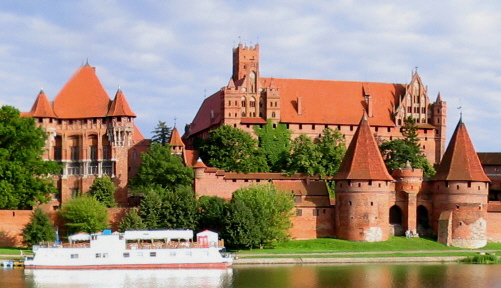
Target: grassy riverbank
{"x": 327, "y": 245}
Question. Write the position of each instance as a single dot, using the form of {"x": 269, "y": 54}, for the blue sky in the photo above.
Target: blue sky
{"x": 167, "y": 55}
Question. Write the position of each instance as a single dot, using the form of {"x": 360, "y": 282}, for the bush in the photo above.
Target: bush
{"x": 84, "y": 214}
{"x": 39, "y": 229}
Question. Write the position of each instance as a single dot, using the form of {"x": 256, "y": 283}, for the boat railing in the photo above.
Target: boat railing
{"x": 65, "y": 245}
{"x": 173, "y": 245}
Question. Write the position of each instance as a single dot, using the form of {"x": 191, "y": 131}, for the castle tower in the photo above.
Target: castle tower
{"x": 409, "y": 181}
{"x": 460, "y": 193}
{"x": 88, "y": 134}
{"x": 362, "y": 190}
{"x": 245, "y": 62}
{"x": 439, "y": 120}
{"x": 176, "y": 143}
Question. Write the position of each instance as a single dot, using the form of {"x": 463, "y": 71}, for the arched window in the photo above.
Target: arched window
{"x": 273, "y": 115}
{"x": 252, "y": 102}
{"x": 244, "y": 102}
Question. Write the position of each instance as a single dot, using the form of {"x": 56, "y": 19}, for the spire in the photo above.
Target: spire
{"x": 460, "y": 161}
{"x": 363, "y": 161}
{"x": 42, "y": 108}
{"x": 175, "y": 139}
{"x": 119, "y": 106}
{"x": 439, "y": 98}
{"x": 83, "y": 96}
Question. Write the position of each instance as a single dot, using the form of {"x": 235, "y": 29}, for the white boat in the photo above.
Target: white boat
{"x": 133, "y": 250}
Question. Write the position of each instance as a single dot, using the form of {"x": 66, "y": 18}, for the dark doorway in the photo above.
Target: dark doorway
{"x": 396, "y": 215}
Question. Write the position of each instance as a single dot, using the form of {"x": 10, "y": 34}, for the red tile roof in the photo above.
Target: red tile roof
{"x": 253, "y": 121}
{"x": 205, "y": 118}
{"x": 199, "y": 164}
{"x": 335, "y": 102}
{"x": 175, "y": 138}
{"x": 490, "y": 158}
{"x": 41, "y": 107}
{"x": 301, "y": 187}
{"x": 120, "y": 107}
{"x": 190, "y": 157}
{"x": 363, "y": 161}
{"x": 460, "y": 161}
{"x": 83, "y": 96}
{"x": 137, "y": 136}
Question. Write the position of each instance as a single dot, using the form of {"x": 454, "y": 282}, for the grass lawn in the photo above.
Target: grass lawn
{"x": 14, "y": 251}
{"x": 423, "y": 254}
{"x": 325, "y": 245}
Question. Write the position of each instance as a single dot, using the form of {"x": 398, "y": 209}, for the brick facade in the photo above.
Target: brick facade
{"x": 309, "y": 106}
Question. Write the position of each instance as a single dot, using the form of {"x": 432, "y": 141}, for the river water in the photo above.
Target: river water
{"x": 261, "y": 276}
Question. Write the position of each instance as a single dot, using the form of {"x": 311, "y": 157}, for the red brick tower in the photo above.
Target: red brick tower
{"x": 460, "y": 193}
{"x": 89, "y": 134}
{"x": 408, "y": 183}
{"x": 362, "y": 190}
{"x": 176, "y": 143}
{"x": 439, "y": 119}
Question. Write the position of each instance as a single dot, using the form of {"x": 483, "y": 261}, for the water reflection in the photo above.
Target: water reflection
{"x": 205, "y": 278}
{"x": 263, "y": 276}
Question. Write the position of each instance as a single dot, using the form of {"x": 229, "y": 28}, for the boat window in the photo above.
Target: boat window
{"x": 74, "y": 256}
{"x": 105, "y": 255}
{"x": 126, "y": 255}
{"x": 172, "y": 254}
{"x": 98, "y": 255}
{"x": 153, "y": 254}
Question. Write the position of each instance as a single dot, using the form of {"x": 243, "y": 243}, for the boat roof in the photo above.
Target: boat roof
{"x": 158, "y": 234}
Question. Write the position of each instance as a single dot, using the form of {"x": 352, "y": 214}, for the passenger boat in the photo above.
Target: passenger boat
{"x": 133, "y": 250}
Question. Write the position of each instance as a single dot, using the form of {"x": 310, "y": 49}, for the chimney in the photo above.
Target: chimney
{"x": 299, "y": 106}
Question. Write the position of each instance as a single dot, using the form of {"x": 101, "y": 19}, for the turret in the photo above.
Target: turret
{"x": 460, "y": 193}
{"x": 362, "y": 190}
{"x": 439, "y": 120}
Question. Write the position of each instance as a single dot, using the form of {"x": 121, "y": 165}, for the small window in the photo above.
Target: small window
{"x": 98, "y": 255}
{"x": 126, "y": 255}
{"x": 313, "y": 127}
{"x": 299, "y": 212}
{"x": 153, "y": 254}
{"x": 297, "y": 198}
{"x": 315, "y": 212}
{"x": 105, "y": 255}
{"x": 300, "y": 126}
{"x": 74, "y": 256}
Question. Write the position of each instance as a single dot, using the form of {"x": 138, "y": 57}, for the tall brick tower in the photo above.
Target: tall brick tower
{"x": 362, "y": 190}
{"x": 460, "y": 193}
{"x": 439, "y": 119}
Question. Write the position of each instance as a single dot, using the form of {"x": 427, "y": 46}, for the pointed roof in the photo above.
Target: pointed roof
{"x": 460, "y": 161}
{"x": 175, "y": 139}
{"x": 200, "y": 164}
{"x": 231, "y": 84}
{"x": 41, "y": 107}
{"x": 439, "y": 98}
{"x": 83, "y": 96}
{"x": 119, "y": 106}
{"x": 363, "y": 161}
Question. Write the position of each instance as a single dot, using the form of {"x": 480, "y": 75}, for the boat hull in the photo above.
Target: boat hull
{"x": 136, "y": 266}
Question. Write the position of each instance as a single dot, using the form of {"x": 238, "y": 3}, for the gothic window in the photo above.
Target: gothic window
{"x": 244, "y": 102}
{"x": 252, "y": 102}
{"x": 58, "y": 149}
{"x": 273, "y": 115}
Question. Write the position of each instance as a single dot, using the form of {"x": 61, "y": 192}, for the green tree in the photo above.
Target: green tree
{"x": 258, "y": 216}
{"x": 103, "y": 190}
{"x": 233, "y": 149}
{"x": 131, "y": 221}
{"x": 84, "y": 214}
{"x": 161, "y": 167}
{"x": 332, "y": 148}
{"x": 24, "y": 175}
{"x": 179, "y": 209}
{"x": 274, "y": 142}
{"x": 397, "y": 152}
{"x": 211, "y": 213}
{"x": 39, "y": 229}
{"x": 150, "y": 209}
{"x": 305, "y": 157}
{"x": 161, "y": 134}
